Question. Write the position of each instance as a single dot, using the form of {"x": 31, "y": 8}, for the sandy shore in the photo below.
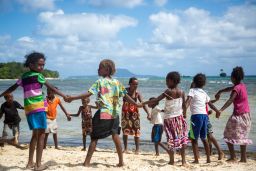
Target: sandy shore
{"x": 71, "y": 158}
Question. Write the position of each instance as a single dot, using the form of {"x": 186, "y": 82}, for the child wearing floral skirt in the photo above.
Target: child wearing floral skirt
{"x": 239, "y": 123}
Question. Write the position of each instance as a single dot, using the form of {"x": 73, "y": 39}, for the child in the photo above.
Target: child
{"x": 86, "y": 114}
{"x": 51, "y": 114}
{"x": 175, "y": 125}
{"x": 130, "y": 115}
{"x": 210, "y": 136}
{"x": 12, "y": 118}
{"x": 157, "y": 120}
{"x": 197, "y": 100}
{"x": 106, "y": 120}
{"x": 32, "y": 82}
{"x": 239, "y": 124}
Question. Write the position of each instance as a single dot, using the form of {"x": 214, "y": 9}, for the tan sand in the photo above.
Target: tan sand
{"x": 71, "y": 158}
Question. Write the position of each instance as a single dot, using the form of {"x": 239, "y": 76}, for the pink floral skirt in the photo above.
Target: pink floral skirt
{"x": 176, "y": 132}
{"x": 237, "y": 129}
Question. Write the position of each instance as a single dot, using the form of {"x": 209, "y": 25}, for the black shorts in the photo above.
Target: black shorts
{"x": 102, "y": 128}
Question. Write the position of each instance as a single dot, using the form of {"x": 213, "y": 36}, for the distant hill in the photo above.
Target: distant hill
{"x": 13, "y": 70}
{"x": 120, "y": 73}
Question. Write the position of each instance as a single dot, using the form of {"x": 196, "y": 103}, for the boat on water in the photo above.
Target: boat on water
{"x": 222, "y": 73}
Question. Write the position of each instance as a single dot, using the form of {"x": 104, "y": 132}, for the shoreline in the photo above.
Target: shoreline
{"x": 72, "y": 158}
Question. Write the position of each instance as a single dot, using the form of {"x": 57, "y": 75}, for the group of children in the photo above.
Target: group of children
{"x": 105, "y": 121}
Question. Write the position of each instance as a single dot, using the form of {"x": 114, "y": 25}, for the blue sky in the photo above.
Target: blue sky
{"x": 146, "y": 37}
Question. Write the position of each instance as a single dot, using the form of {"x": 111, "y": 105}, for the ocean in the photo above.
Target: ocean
{"x": 70, "y": 133}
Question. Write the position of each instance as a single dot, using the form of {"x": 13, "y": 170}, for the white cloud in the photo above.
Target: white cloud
{"x": 87, "y": 26}
{"x": 25, "y": 39}
{"x": 116, "y": 3}
{"x": 30, "y": 5}
{"x": 161, "y": 2}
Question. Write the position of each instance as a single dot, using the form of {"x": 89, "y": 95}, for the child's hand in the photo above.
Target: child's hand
{"x": 209, "y": 112}
{"x": 68, "y": 117}
{"x": 149, "y": 117}
{"x": 68, "y": 99}
{"x": 139, "y": 105}
{"x": 218, "y": 114}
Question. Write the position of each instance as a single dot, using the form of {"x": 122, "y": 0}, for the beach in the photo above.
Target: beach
{"x": 72, "y": 158}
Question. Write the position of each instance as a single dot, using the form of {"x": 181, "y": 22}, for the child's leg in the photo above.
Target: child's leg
{"x": 45, "y": 139}
{"x": 207, "y": 150}
{"x": 55, "y": 139}
{"x": 215, "y": 143}
{"x": 243, "y": 153}
{"x": 232, "y": 152}
{"x": 84, "y": 142}
{"x": 32, "y": 146}
{"x": 118, "y": 145}
{"x": 195, "y": 150}
{"x": 91, "y": 149}
{"x": 171, "y": 155}
{"x": 5, "y": 134}
{"x": 39, "y": 149}
{"x": 156, "y": 148}
{"x": 183, "y": 159}
{"x": 125, "y": 139}
{"x": 137, "y": 144}
{"x": 16, "y": 132}
{"x": 209, "y": 142}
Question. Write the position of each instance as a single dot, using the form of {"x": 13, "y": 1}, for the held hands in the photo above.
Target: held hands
{"x": 68, "y": 98}
{"x": 68, "y": 117}
{"x": 218, "y": 114}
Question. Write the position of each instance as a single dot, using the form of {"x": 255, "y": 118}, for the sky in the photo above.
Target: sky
{"x": 146, "y": 37}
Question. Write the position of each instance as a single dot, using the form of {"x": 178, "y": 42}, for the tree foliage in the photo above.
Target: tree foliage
{"x": 13, "y": 70}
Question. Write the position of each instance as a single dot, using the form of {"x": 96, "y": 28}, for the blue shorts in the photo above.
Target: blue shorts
{"x": 157, "y": 132}
{"x": 198, "y": 126}
{"x": 37, "y": 120}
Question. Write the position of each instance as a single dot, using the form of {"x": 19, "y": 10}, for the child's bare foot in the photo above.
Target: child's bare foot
{"x": 30, "y": 165}
{"x": 171, "y": 163}
{"x": 184, "y": 164}
{"x": 41, "y": 167}
{"x": 243, "y": 161}
{"x": 221, "y": 156}
{"x": 86, "y": 164}
{"x": 120, "y": 164}
{"x": 195, "y": 162}
{"x": 231, "y": 160}
{"x": 157, "y": 154}
{"x": 137, "y": 152}
{"x": 83, "y": 149}
{"x": 125, "y": 151}
{"x": 208, "y": 161}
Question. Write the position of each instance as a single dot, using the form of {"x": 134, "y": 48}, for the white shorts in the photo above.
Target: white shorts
{"x": 51, "y": 126}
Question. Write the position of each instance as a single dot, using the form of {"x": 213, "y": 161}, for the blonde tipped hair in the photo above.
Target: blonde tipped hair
{"x": 110, "y": 65}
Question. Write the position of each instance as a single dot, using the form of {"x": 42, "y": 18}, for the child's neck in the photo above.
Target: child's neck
{"x": 51, "y": 97}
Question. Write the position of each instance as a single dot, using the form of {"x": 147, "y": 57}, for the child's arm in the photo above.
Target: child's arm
{"x": 94, "y": 107}
{"x": 1, "y": 114}
{"x": 10, "y": 89}
{"x": 81, "y": 96}
{"x": 188, "y": 101}
{"x": 214, "y": 108}
{"x": 78, "y": 113}
{"x": 130, "y": 100}
{"x": 18, "y": 105}
{"x": 144, "y": 107}
{"x": 48, "y": 85}
{"x": 65, "y": 111}
{"x": 184, "y": 105}
{"x": 229, "y": 101}
{"x": 228, "y": 89}
{"x": 159, "y": 98}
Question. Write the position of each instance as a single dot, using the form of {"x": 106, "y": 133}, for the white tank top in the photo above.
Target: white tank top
{"x": 173, "y": 108}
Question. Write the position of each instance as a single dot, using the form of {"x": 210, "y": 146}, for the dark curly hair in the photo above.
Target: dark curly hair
{"x": 174, "y": 76}
{"x": 33, "y": 58}
{"x": 199, "y": 80}
{"x": 132, "y": 79}
{"x": 110, "y": 65}
{"x": 238, "y": 74}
